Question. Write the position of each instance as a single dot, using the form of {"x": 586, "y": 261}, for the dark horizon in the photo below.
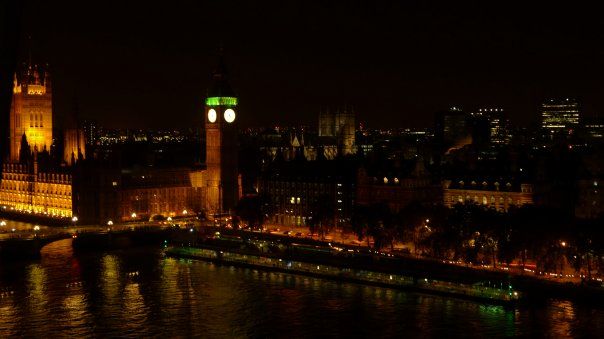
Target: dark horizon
{"x": 142, "y": 64}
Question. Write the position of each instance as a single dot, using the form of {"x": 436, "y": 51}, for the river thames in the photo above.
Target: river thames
{"x": 140, "y": 293}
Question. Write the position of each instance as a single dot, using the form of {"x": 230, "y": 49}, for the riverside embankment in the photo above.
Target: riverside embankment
{"x": 530, "y": 288}
{"x": 504, "y": 295}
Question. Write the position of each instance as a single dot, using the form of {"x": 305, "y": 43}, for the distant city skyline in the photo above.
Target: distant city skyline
{"x": 143, "y": 64}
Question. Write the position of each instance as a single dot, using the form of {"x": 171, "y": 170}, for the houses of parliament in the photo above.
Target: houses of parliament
{"x": 43, "y": 179}
{"x": 30, "y": 183}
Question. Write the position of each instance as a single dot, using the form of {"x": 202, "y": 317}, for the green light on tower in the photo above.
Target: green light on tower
{"x": 221, "y": 101}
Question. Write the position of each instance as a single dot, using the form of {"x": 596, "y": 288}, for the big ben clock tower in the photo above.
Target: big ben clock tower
{"x": 222, "y": 179}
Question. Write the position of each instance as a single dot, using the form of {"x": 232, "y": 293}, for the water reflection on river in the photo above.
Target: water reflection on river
{"x": 139, "y": 293}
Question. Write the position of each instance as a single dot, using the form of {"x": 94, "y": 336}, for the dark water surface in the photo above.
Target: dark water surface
{"x": 139, "y": 293}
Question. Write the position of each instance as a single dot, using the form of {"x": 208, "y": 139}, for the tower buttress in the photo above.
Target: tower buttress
{"x": 74, "y": 145}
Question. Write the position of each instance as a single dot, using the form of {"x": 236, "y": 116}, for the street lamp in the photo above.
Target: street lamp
{"x": 36, "y": 228}
{"x": 133, "y": 215}
{"x": 109, "y": 223}
{"x": 185, "y": 212}
{"x": 74, "y": 219}
{"x": 2, "y": 223}
{"x": 563, "y": 243}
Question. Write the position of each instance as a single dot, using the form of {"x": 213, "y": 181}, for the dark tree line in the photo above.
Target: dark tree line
{"x": 255, "y": 210}
{"x": 469, "y": 233}
{"x": 474, "y": 234}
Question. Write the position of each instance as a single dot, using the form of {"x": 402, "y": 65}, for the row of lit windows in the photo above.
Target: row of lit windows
{"x": 10, "y": 176}
{"x": 39, "y": 205}
{"x": 36, "y": 120}
{"x": 42, "y": 177}
{"x": 20, "y": 195}
{"x": 21, "y": 186}
{"x": 481, "y": 199}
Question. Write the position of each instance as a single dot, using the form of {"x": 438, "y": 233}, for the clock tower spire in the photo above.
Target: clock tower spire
{"x": 222, "y": 176}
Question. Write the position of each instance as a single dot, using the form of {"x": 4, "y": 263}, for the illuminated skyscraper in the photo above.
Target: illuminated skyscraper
{"x": 499, "y": 125}
{"x": 560, "y": 116}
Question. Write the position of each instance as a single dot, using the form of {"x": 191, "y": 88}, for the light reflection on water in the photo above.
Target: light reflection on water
{"x": 139, "y": 293}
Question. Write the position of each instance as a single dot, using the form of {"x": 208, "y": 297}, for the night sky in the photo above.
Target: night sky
{"x": 148, "y": 63}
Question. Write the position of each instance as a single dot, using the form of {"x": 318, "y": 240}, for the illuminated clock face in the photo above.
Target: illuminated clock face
{"x": 212, "y": 115}
{"x": 229, "y": 115}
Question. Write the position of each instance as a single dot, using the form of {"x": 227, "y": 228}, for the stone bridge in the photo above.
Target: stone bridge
{"x": 27, "y": 247}
{"x": 16, "y": 247}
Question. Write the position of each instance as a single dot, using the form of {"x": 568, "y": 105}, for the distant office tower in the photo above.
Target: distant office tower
{"x": 31, "y": 110}
{"x": 452, "y": 127}
{"x": 91, "y": 132}
{"x": 340, "y": 125}
{"x": 480, "y": 129}
{"x": 593, "y": 130}
{"x": 560, "y": 116}
{"x": 499, "y": 125}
